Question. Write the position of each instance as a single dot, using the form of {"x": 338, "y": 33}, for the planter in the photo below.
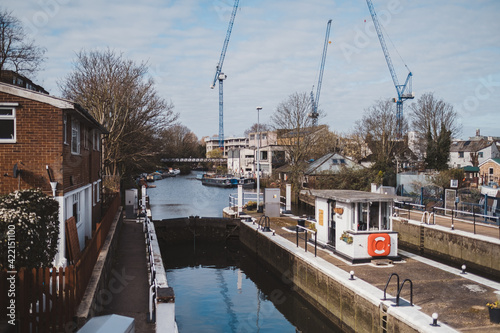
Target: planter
{"x": 494, "y": 315}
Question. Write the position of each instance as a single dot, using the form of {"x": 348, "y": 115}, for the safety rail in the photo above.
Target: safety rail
{"x": 429, "y": 215}
{"x": 387, "y": 284}
{"x": 147, "y": 228}
{"x": 247, "y": 196}
{"x": 401, "y": 288}
{"x": 265, "y": 223}
{"x": 306, "y": 238}
{"x": 453, "y": 215}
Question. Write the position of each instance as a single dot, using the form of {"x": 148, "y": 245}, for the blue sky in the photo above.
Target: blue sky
{"x": 452, "y": 48}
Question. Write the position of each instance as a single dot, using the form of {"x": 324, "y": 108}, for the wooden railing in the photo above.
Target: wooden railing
{"x": 46, "y": 298}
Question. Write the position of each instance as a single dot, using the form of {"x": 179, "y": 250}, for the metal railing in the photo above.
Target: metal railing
{"x": 303, "y": 230}
{"x": 247, "y": 196}
{"x": 147, "y": 228}
{"x": 453, "y": 215}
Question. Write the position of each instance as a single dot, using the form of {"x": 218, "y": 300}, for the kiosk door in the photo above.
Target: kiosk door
{"x": 331, "y": 225}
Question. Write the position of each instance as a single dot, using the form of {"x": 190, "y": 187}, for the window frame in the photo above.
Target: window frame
{"x": 12, "y": 117}
{"x": 65, "y": 129}
{"x": 75, "y": 129}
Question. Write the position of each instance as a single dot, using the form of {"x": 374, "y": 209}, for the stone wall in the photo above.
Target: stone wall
{"x": 350, "y": 309}
{"x": 475, "y": 251}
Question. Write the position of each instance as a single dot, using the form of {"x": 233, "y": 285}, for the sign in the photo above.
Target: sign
{"x": 320, "y": 217}
{"x": 339, "y": 211}
{"x": 454, "y": 183}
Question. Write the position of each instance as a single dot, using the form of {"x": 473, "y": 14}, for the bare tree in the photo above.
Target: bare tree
{"x": 17, "y": 51}
{"x": 378, "y": 128}
{"x": 296, "y": 134}
{"x": 431, "y": 114}
{"x": 120, "y": 95}
{"x": 179, "y": 141}
{"x": 257, "y": 127}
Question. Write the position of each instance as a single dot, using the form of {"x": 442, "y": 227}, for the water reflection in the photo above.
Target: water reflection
{"x": 226, "y": 288}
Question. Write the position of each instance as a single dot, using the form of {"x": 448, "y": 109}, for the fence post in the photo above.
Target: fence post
{"x": 474, "y": 215}
{"x": 305, "y": 243}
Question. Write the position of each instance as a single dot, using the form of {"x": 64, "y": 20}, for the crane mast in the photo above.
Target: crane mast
{"x": 404, "y": 91}
{"x": 221, "y": 76}
{"x": 315, "y": 101}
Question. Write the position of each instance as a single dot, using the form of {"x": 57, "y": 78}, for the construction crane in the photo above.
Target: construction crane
{"x": 221, "y": 76}
{"x": 315, "y": 101}
{"x": 404, "y": 91}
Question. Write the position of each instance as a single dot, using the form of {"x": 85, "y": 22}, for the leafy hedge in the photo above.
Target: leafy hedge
{"x": 29, "y": 224}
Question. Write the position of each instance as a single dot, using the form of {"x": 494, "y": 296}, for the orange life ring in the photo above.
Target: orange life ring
{"x": 379, "y": 245}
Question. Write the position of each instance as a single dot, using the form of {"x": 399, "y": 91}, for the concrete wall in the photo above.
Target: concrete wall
{"x": 178, "y": 230}
{"x": 354, "y": 305}
{"x": 97, "y": 290}
{"x": 475, "y": 251}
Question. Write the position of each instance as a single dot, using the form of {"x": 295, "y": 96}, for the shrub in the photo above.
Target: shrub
{"x": 29, "y": 224}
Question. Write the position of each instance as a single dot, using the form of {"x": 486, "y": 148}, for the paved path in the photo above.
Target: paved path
{"x": 459, "y": 299}
{"x": 131, "y": 296}
{"x": 460, "y": 223}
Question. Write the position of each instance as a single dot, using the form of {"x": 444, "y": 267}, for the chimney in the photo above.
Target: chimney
{"x": 478, "y": 132}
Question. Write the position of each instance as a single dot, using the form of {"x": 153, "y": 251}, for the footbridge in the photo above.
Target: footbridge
{"x": 193, "y": 160}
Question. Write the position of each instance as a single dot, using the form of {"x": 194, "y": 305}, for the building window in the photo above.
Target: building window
{"x": 461, "y": 154}
{"x": 252, "y": 136}
{"x": 85, "y": 138}
{"x": 7, "y": 125}
{"x": 96, "y": 140}
{"x": 480, "y": 154}
{"x": 75, "y": 136}
{"x": 491, "y": 171}
{"x": 65, "y": 129}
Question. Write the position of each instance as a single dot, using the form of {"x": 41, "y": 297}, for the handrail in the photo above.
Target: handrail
{"x": 411, "y": 292}
{"x": 266, "y": 224}
{"x": 152, "y": 302}
{"x": 297, "y": 227}
{"x": 387, "y": 284}
{"x": 422, "y": 219}
{"x": 152, "y": 268}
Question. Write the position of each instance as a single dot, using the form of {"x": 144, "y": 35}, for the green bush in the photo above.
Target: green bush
{"x": 29, "y": 224}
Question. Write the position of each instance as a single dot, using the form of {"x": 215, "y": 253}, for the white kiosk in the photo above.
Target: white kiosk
{"x": 356, "y": 225}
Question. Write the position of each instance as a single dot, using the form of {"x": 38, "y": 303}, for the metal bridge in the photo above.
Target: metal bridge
{"x": 193, "y": 160}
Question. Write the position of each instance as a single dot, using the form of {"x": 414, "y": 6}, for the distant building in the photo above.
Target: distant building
{"x": 229, "y": 144}
{"x": 55, "y": 145}
{"x": 19, "y": 80}
{"x": 474, "y": 151}
{"x": 327, "y": 165}
{"x": 489, "y": 172}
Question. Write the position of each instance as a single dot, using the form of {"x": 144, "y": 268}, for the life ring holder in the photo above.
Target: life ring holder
{"x": 379, "y": 245}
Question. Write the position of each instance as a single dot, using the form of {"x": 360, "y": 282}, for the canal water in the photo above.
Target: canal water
{"x": 224, "y": 287}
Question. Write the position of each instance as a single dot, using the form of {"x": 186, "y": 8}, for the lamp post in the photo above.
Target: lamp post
{"x": 258, "y": 158}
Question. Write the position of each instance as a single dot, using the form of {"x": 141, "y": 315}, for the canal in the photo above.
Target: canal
{"x": 224, "y": 287}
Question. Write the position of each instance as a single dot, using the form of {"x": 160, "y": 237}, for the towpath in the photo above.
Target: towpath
{"x": 459, "y": 299}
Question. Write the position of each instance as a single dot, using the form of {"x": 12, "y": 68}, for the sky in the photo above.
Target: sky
{"x": 452, "y": 48}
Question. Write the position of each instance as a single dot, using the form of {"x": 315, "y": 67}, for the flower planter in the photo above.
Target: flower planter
{"x": 494, "y": 315}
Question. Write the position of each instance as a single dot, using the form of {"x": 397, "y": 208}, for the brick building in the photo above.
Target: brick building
{"x": 55, "y": 145}
{"x": 489, "y": 172}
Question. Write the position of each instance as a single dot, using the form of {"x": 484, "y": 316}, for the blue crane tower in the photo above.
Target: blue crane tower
{"x": 221, "y": 76}
{"x": 315, "y": 101}
{"x": 404, "y": 91}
